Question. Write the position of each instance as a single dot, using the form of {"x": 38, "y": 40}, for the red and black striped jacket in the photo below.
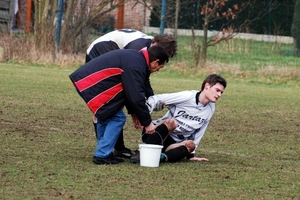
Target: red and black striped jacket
{"x": 114, "y": 79}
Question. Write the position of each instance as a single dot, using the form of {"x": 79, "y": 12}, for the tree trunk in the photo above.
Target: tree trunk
{"x": 203, "y": 53}
{"x": 37, "y": 24}
{"x": 43, "y": 26}
{"x": 67, "y": 33}
{"x": 76, "y": 21}
{"x": 296, "y": 28}
{"x": 195, "y": 48}
{"x": 176, "y": 17}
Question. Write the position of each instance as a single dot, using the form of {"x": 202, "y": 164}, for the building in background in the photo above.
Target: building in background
{"x": 16, "y": 15}
{"x": 19, "y": 15}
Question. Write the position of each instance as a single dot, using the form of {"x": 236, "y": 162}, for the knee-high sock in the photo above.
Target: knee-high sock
{"x": 157, "y": 137}
{"x": 176, "y": 154}
{"x": 95, "y": 127}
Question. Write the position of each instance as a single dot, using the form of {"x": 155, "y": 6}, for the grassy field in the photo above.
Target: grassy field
{"x": 247, "y": 54}
{"x": 48, "y": 142}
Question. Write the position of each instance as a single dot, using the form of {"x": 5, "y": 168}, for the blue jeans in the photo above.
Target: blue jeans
{"x": 108, "y": 133}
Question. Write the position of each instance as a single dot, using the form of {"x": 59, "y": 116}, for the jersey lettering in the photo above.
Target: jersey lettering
{"x": 183, "y": 114}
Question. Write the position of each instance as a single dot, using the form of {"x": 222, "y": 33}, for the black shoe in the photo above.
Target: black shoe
{"x": 135, "y": 158}
{"x": 104, "y": 161}
{"x": 117, "y": 158}
{"x": 125, "y": 153}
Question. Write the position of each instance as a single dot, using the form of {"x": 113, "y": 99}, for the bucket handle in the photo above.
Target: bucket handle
{"x": 162, "y": 141}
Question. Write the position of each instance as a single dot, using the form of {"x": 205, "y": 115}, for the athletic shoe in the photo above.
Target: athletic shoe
{"x": 163, "y": 158}
{"x": 125, "y": 153}
{"x": 117, "y": 158}
{"x": 111, "y": 159}
{"x": 135, "y": 158}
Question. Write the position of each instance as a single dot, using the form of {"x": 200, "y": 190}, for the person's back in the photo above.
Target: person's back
{"x": 115, "y": 69}
{"x": 113, "y": 59}
{"x": 119, "y": 39}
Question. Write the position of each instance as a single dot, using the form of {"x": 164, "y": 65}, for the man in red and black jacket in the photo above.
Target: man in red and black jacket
{"x": 109, "y": 82}
{"x": 128, "y": 39}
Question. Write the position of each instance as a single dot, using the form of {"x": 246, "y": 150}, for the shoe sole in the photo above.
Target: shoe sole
{"x": 103, "y": 162}
{"x": 118, "y": 159}
{"x": 123, "y": 155}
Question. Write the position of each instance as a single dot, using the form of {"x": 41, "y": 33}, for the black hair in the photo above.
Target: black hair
{"x": 157, "y": 52}
{"x": 213, "y": 79}
{"x": 168, "y": 42}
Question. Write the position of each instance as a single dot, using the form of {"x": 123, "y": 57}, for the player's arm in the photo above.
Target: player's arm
{"x": 159, "y": 101}
{"x": 198, "y": 136}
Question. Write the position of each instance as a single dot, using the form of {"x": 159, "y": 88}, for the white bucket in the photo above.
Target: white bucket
{"x": 150, "y": 155}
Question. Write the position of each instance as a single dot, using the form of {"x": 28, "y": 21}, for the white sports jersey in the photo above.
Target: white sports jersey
{"x": 123, "y": 38}
{"x": 191, "y": 116}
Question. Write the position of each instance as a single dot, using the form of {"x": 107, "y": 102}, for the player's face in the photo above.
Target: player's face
{"x": 213, "y": 93}
{"x": 155, "y": 66}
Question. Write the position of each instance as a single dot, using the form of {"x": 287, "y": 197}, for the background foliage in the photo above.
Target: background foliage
{"x": 277, "y": 22}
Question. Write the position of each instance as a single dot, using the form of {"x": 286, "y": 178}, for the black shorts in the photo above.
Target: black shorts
{"x": 161, "y": 135}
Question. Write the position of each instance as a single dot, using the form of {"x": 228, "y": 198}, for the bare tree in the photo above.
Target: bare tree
{"x": 296, "y": 28}
{"x": 43, "y": 25}
{"x": 176, "y": 17}
{"x": 214, "y": 10}
{"x": 78, "y": 17}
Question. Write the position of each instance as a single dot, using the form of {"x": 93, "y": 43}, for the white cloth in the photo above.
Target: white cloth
{"x": 121, "y": 38}
{"x": 191, "y": 116}
{"x": 16, "y": 6}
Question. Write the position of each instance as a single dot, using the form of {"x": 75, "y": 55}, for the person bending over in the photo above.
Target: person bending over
{"x": 128, "y": 39}
{"x": 112, "y": 81}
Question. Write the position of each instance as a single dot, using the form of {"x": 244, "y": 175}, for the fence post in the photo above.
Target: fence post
{"x": 163, "y": 16}
{"x": 58, "y": 28}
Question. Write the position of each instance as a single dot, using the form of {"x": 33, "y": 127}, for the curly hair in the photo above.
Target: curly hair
{"x": 168, "y": 42}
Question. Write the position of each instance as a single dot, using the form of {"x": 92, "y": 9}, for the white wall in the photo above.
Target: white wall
{"x": 246, "y": 36}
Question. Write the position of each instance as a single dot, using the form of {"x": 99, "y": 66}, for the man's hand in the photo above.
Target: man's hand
{"x": 198, "y": 159}
{"x": 136, "y": 121}
{"x": 150, "y": 129}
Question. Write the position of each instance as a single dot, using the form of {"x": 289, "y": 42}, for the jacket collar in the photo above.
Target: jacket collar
{"x": 197, "y": 97}
{"x": 146, "y": 56}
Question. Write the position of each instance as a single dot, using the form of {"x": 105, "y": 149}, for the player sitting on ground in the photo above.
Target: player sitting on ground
{"x": 189, "y": 113}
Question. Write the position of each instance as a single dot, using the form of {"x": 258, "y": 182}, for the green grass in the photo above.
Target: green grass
{"x": 48, "y": 142}
{"x": 245, "y": 61}
{"x": 249, "y": 55}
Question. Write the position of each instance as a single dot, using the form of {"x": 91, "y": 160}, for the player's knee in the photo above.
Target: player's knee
{"x": 171, "y": 124}
{"x": 190, "y": 145}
